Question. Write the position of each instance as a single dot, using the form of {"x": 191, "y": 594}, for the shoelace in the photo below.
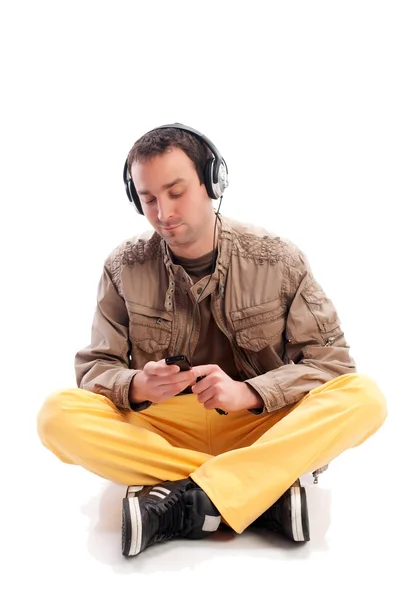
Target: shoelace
{"x": 171, "y": 514}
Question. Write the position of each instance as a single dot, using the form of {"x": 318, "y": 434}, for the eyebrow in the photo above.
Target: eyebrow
{"x": 164, "y": 187}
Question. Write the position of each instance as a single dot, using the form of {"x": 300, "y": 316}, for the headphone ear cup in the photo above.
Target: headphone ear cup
{"x": 130, "y": 189}
{"x": 221, "y": 178}
{"x": 208, "y": 176}
{"x": 216, "y": 178}
{"x": 134, "y": 197}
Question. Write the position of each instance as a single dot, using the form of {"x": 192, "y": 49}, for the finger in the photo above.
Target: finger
{"x": 167, "y": 394}
{"x": 149, "y": 368}
{"x": 210, "y": 404}
{"x": 183, "y": 378}
{"x": 200, "y": 387}
{"x": 205, "y": 370}
{"x": 204, "y": 383}
{"x": 205, "y": 396}
{"x": 167, "y": 387}
{"x": 165, "y": 368}
{"x": 160, "y": 368}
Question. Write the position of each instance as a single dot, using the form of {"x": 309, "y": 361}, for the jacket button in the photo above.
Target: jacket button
{"x": 199, "y": 290}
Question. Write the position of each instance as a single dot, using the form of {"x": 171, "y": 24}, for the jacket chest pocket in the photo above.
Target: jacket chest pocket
{"x": 259, "y": 330}
{"x": 150, "y": 333}
{"x": 323, "y": 311}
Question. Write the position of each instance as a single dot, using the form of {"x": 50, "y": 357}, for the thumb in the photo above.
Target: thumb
{"x": 204, "y": 370}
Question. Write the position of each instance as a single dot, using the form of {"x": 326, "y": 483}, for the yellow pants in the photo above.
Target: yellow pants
{"x": 243, "y": 462}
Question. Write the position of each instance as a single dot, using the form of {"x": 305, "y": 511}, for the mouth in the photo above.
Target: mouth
{"x": 170, "y": 227}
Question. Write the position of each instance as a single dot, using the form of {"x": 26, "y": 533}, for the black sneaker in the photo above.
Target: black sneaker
{"x": 289, "y": 515}
{"x": 172, "y": 509}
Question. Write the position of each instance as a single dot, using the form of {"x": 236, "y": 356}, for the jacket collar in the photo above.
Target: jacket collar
{"x": 224, "y": 246}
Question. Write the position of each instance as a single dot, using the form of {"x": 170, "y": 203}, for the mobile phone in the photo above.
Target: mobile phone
{"x": 180, "y": 360}
{"x": 184, "y": 364}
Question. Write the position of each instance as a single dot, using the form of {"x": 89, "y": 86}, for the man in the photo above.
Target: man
{"x": 272, "y": 393}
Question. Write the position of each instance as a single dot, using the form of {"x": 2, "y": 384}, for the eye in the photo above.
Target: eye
{"x": 175, "y": 195}
{"x": 151, "y": 201}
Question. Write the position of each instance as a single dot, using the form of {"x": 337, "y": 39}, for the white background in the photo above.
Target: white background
{"x": 303, "y": 101}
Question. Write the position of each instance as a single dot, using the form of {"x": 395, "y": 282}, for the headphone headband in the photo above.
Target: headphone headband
{"x": 194, "y": 132}
{"x": 216, "y": 172}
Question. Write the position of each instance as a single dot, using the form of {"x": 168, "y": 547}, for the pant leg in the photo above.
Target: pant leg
{"x": 86, "y": 429}
{"x": 244, "y": 482}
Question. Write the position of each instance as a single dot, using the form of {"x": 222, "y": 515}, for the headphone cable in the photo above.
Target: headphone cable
{"x": 206, "y": 284}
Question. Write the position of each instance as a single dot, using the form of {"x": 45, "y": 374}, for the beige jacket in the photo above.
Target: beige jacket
{"x": 284, "y": 331}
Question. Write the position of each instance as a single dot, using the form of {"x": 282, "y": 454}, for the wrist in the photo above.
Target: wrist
{"x": 253, "y": 399}
{"x": 136, "y": 395}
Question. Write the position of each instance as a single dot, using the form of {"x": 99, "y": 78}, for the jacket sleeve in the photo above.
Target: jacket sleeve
{"x": 315, "y": 349}
{"x": 103, "y": 366}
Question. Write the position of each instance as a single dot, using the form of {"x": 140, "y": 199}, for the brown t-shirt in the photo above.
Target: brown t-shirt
{"x": 213, "y": 346}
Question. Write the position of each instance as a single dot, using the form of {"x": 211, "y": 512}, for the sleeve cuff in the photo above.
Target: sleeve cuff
{"x": 140, "y": 406}
{"x": 121, "y": 392}
{"x": 272, "y": 396}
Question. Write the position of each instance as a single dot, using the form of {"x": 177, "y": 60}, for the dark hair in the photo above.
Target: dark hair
{"x": 159, "y": 140}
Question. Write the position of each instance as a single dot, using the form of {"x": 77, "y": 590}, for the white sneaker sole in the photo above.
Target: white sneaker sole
{"x": 131, "y": 523}
{"x": 298, "y": 508}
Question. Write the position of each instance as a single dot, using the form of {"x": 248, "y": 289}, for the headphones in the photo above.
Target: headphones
{"x": 215, "y": 174}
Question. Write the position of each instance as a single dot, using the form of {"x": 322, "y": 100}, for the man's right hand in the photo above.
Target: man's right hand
{"x": 158, "y": 382}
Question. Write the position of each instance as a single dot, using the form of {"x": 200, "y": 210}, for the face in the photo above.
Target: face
{"x": 175, "y": 203}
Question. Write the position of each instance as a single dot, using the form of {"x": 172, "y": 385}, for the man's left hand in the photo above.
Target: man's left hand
{"x": 218, "y": 390}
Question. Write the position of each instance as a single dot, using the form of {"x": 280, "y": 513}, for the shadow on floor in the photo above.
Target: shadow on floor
{"x": 104, "y": 537}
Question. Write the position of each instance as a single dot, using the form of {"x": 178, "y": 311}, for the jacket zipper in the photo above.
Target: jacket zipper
{"x": 330, "y": 341}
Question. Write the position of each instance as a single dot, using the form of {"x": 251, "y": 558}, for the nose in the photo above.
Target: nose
{"x": 165, "y": 209}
